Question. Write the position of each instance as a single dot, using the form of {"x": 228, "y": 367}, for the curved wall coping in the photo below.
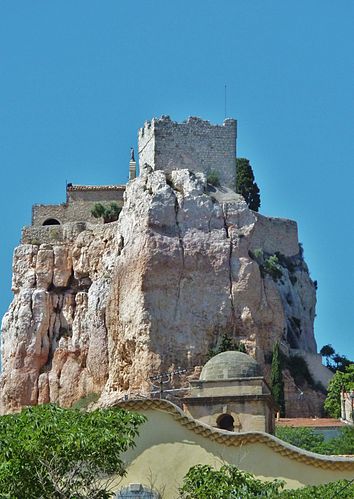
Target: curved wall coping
{"x": 341, "y": 463}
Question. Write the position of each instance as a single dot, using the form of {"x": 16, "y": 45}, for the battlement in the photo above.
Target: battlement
{"x": 164, "y": 144}
{"x": 195, "y": 144}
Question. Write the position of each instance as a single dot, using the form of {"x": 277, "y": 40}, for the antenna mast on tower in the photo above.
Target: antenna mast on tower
{"x": 225, "y": 102}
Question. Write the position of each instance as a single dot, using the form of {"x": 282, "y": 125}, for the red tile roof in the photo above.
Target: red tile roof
{"x": 309, "y": 422}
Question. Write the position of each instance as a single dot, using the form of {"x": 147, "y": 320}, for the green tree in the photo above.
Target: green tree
{"x": 109, "y": 213}
{"x": 342, "y": 489}
{"x": 327, "y": 351}
{"x": 308, "y": 439}
{"x": 334, "y": 361}
{"x": 343, "y": 444}
{"x": 246, "y": 185}
{"x": 276, "y": 379}
{"x": 341, "y": 362}
{"x": 305, "y": 438}
{"x": 49, "y": 452}
{"x": 205, "y": 482}
{"x": 226, "y": 344}
{"x": 340, "y": 381}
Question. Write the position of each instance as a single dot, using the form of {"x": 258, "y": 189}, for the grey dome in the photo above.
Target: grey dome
{"x": 229, "y": 365}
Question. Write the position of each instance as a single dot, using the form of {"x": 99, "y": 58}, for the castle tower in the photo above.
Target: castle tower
{"x": 195, "y": 144}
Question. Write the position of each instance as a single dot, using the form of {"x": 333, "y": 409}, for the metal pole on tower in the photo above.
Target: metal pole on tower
{"x": 225, "y": 102}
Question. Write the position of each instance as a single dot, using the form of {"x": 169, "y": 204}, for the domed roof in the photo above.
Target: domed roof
{"x": 229, "y": 365}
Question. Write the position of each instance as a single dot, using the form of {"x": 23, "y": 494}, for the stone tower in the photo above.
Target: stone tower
{"x": 195, "y": 144}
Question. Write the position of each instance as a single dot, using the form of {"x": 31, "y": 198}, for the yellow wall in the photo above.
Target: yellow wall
{"x": 170, "y": 443}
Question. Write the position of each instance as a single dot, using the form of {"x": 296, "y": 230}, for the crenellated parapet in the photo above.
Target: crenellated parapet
{"x": 195, "y": 144}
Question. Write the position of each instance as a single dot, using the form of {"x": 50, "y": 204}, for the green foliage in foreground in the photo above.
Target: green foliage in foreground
{"x": 108, "y": 213}
{"x": 341, "y": 380}
{"x": 205, "y": 482}
{"x": 308, "y": 439}
{"x": 342, "y": 489}
{"x": 49, "y": 452}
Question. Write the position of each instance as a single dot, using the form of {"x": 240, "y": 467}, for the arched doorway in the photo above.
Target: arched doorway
{"x": 225, "y": 422}
{"x": 51, "y": 221}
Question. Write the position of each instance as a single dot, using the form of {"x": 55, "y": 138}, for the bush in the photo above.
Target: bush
{"x": 226, "y": 344}
{"x": 205, "y": 482}
{"x": 343, "y": 444}
{"x": 305, "y": 438}
{"x": 258, "y": 255}
{"x": 286, "y": 261}
{"x": 308, "y": 439}
{"x": 213, "y": 178}
{"x": 108, "y": 213}
{"x": 267, "y": 265}
{"x": 271, "y": 266}
{"x": 342, "y": 489}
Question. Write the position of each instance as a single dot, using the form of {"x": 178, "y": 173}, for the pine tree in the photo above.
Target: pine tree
{"x": 246, "y": 185}
{"x": 276, "y": 379}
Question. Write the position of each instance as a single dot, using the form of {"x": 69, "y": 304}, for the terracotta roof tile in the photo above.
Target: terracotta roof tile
{"x": 309, "y": 422}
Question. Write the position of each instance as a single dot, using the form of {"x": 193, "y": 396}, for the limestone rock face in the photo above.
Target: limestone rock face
{"x": 185, "y": 264}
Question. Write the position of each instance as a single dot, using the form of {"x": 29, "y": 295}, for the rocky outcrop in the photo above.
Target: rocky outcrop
{"x": 184, "y": 264}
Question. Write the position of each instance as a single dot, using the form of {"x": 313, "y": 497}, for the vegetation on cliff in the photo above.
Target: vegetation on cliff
{"x": 246, "y": 185}
{"x": 226, "y": 344}
{"x": 108, "y": 213}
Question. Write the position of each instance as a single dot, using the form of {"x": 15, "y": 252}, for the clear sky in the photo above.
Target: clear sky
{"x": 77, "y": 79}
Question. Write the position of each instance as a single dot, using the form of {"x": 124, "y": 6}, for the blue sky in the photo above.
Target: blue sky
{"x": 77, "y": 79}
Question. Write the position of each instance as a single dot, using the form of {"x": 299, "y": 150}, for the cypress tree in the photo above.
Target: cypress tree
{"x": 276, "y": 379}
{"x": 246, "y": 185}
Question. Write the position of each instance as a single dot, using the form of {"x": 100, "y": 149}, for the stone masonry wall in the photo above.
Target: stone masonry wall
{"x": 78, "y": 207}
{"x": 96, "y": 193}
{"x": 71, "y": 212}
{"x": 52, "y": 234}
{"x": 196, "y": 144}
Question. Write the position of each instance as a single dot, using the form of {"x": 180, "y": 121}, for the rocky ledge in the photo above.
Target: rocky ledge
{"x": 185, "y": 264}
